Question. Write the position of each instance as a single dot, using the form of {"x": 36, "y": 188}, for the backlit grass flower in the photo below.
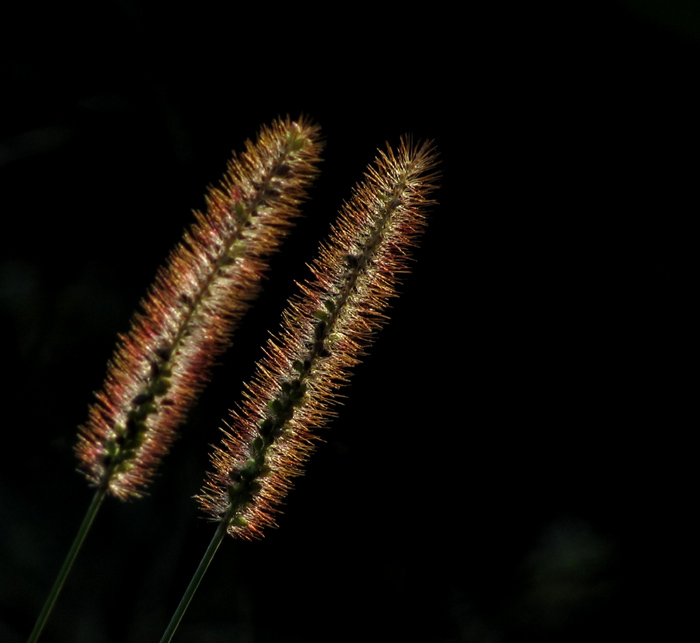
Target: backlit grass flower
{"x": 187, "y": 318}
{"x": 325, "y": 331}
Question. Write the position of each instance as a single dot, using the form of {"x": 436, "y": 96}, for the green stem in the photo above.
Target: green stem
{"x": 68, "y": 564}
{"x": 197, "y": 578}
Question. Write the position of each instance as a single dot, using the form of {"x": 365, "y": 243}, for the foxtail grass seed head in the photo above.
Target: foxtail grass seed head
{"x": 325, "y": 330}
{"x": 187, "y": 318}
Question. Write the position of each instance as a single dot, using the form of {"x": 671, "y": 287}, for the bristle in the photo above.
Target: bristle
{"x": 187, "y": 318}
{"x": 325, "y": 331}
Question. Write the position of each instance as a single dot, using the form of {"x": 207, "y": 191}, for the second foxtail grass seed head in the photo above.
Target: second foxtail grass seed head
{"x": 325, "y": 331}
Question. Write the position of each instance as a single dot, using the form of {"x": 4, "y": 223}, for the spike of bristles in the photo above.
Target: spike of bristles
{"x": 162, "y": 363}
{"x": 325, "y": 331}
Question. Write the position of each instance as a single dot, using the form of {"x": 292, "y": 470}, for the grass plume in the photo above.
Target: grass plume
{"x": 326, "y": 329}
{"x": 187, "y": 318}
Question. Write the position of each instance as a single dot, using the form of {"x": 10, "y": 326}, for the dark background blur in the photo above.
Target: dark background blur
{"x": 509, "y": 465}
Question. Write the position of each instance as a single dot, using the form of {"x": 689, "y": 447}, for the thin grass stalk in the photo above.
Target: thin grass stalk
{"x": 186, "y": 599}
{"x": 77, "y": 545}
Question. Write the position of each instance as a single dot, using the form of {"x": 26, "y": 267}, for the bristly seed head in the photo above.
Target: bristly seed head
{"x": 325, "y": 331}
{"x": 198, "y": 298}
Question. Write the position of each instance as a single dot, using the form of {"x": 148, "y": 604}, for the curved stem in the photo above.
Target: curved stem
{"x": 67, "y": 564}
{"x": 197, "y": 578}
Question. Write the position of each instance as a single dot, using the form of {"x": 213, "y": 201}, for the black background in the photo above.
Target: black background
{"x": 510, "y": 464}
